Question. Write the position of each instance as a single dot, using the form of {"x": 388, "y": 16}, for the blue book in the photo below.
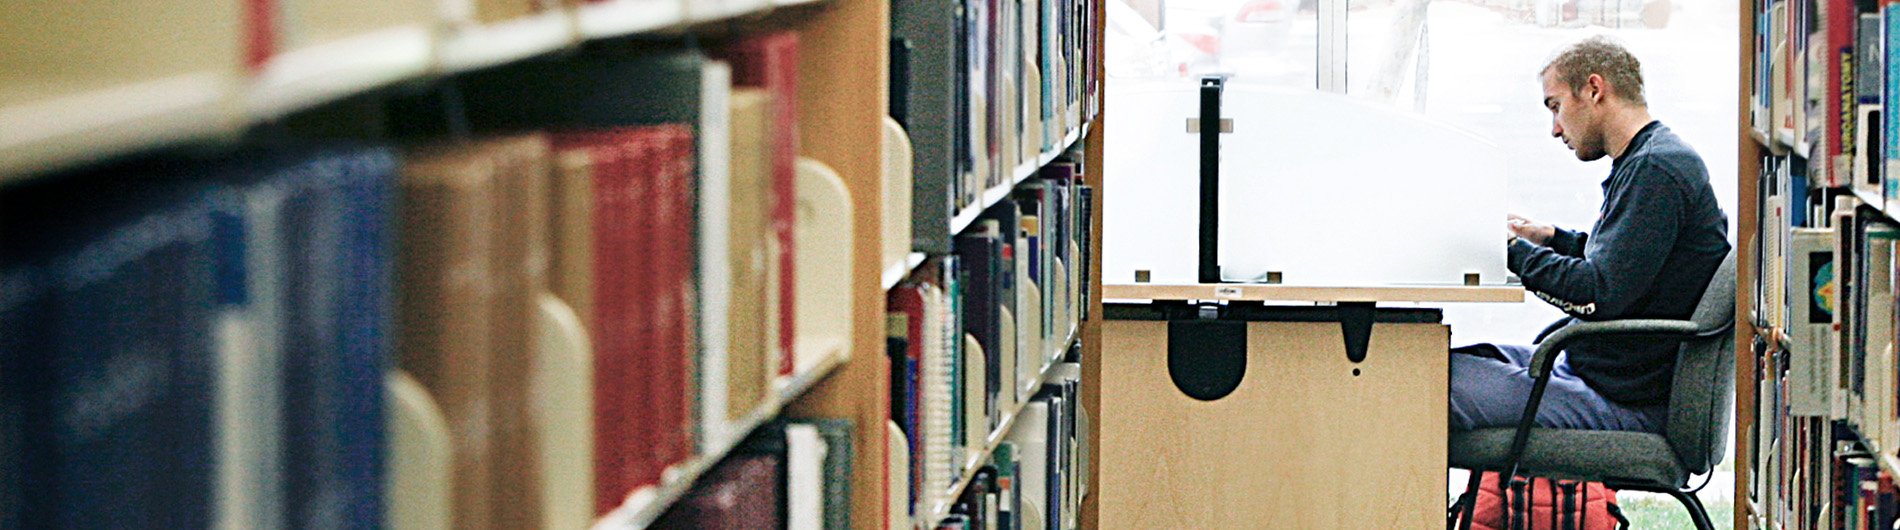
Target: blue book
{"x": 338, "y": 244}
{"x": 1890, "y": 109}
{"x": 304, "y": 253}
{"x": 20, "y": 290}
{"x": 117, "y": 383}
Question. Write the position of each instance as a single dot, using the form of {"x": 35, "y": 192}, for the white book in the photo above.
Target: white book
{"x": 250, "y": 382}
{"x": 805, "y": 450}
{"x": 935, "y": 401}
{"x": 714, "y": 143}
{"x": 1813, "y": 382}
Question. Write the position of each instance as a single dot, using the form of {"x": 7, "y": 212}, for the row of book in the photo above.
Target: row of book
{"x": 1839, "y": 484}
{"x": 972, "y": 334}
{"x": 1831, "y": 359}
{"x": 594, "y": 279}
{"x": 984, "y": 87}
{"x": 1864, "y": 495}
{"x": 791, "y": 474}
{"x": 1035, "y": 479}
{"x": 1823, "y": 91}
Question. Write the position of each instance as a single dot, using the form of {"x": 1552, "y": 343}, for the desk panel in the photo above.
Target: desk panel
{"x": 1302, "y": 443}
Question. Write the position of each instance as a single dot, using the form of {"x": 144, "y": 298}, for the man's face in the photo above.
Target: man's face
{"x": 1573, "y": 117}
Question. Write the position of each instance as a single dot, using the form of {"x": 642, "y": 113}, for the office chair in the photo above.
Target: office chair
{"x": 1701, "y": 400}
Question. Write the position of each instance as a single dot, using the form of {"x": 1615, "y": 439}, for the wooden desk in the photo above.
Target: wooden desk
{"x": 1309, "y": 439}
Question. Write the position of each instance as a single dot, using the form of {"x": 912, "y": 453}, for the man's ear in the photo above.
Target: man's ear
{"x": 1596, "y": 88}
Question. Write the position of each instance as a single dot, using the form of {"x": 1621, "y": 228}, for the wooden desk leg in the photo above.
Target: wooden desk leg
{"x": 1303, "y": 443}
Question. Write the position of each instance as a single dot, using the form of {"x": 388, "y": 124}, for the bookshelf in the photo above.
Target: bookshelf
{"x": 1815, "y": 399}
{"x": 352, "y": 71}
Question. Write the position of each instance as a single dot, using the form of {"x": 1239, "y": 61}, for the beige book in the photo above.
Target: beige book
{"x": 749, "y": 366}
{"x": 472, "y": 253}
{"x": 571, "y": 233}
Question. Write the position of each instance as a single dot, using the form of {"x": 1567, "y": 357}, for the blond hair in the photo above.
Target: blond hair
{"x": 1604, "y": 57}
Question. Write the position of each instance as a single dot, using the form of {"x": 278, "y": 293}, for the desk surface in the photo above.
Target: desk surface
{"x": 1265, "y": 292}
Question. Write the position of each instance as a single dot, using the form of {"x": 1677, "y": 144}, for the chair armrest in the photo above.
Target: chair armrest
{"x": 1580, "y": 330}
{"x": 1552, "y": 328}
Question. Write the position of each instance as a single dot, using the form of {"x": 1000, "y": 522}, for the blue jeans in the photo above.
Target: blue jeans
{"x": 1490, "y": 383}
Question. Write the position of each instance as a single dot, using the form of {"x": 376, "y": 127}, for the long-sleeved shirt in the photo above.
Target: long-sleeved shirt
{"x": 1658, "y": 239}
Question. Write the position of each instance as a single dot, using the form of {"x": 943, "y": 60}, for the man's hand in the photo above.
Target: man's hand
{"x": 1529, "y": 230}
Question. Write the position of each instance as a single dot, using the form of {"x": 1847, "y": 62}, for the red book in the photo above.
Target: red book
{"x": 671, "y": 255}
{"x": 770, "y": 61}
{"x": 908, "y": 300}
{"x": 1842, "y": 21}
{"x": 621, "y": 463}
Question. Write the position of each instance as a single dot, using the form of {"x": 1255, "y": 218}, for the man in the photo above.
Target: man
{"x": 1658, "y": 239}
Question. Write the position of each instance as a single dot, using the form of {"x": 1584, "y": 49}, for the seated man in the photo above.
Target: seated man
{"x": 1657, "y": 241}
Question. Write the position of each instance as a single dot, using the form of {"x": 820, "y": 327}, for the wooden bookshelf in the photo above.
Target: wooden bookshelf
{"x": 47, "y": 127}
{"x": 843, "y": 82}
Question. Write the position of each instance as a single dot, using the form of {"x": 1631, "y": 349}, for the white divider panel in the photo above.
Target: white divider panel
{"x": 1321, "y": 188}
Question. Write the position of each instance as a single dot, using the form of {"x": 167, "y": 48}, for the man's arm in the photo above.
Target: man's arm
{"x": 1633, "y": 239}
{"x": 1567, "y": 242}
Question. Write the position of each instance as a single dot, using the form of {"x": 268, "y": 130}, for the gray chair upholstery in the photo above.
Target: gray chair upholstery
{"x": 1701, "y": 403}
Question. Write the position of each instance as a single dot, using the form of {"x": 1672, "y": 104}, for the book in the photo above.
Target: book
{"x": 466, "y": 305}
{"x": 805, "y": 456}
{"x": 932, "y": 114}
{"x": 1836, "y": 63}
{"x": 1814, "y": 375}
{"x": 744, "y": 491}
{"x": 770, "y": 62}
{"x": 338, "y": 324}
{"x": 114, "y": 375}
{"x": 753, "y": 362}
{"x": 839, "y": 458}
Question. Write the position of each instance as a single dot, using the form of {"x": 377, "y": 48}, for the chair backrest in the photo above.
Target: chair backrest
{"x": 1702, "y": 396}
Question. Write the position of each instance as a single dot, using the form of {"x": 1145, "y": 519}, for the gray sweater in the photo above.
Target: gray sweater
{"x": 1658, "y": 240}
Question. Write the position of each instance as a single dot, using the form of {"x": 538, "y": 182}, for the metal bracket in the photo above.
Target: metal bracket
{"x": 1355, "y": 327}
{"x": 1211, "y": 87}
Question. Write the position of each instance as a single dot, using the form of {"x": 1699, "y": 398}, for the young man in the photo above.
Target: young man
{"x": 1658, "y": 239}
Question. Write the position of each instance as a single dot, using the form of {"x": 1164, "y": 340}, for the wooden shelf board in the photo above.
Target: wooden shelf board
{"x": 482, "y": 46}
{"x": 306, "y": 77}
{"x": 623, "y": 17}
{"x": 645, "y": 506}
{"x": 1264, "y": 292}
{"x": 897, "y": 271}
{"x": 1019, "y": 174}
{"x": 64, "y": 131}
